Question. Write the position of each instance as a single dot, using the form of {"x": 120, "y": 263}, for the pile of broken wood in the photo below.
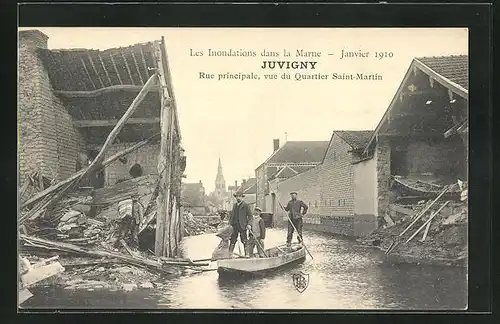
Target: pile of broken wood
{"x": 423, "y": 217}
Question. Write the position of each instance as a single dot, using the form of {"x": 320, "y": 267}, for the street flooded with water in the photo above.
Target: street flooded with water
{"x": 342, "y": 275}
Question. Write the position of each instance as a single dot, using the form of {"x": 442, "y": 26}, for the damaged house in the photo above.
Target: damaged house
{"x": 421, "y": 142}
{"x": 97, "y": 128}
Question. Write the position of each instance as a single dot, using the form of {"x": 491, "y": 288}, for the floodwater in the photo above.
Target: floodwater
{"x": 342, "y": 275}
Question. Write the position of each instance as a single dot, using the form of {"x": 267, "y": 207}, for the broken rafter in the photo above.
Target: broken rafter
{"x": 94, "y": 69}
{"x": 104, "y": 68}
{"x": 67, "y": 247}
{"x": 75, "y": 176}
{"x": 116, "y": 69}
{"x": 136, "y": 65}
{"x": 128, "y": 68}
{"x": 112, "y": 122}
{"x": 87, "y": 72}
{"x": 98, "y": 92}
{"x": 143, "y": 60}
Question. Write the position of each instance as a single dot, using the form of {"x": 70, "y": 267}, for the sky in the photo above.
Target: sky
{"x": 237, "y": 120}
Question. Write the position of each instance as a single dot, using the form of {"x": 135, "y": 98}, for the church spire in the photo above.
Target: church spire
{"x": 220, "y": 183}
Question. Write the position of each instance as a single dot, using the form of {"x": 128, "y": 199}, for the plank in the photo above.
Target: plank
{"x": 426, "y": 232}
{"x": 38, "y": 274}
{"x": 113, "y": 122}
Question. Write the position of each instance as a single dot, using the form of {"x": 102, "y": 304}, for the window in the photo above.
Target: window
{"x": 315, "y": 203}
{"x": 339, "y": 202}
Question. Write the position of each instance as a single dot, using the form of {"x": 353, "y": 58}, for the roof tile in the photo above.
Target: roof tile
{"x": 455, "y": 67}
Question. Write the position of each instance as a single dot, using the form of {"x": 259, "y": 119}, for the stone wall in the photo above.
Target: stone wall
{"x": 383, "y": 159}
{"x": 47, "y": 140}
{"x": 436, "y": 157}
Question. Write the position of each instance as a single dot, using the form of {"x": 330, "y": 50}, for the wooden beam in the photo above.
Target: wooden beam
{"x": 95, "y": 70}
{"x": 76, "y": 175}
{"x": 98, "y": 92}
{"x": 143, "y": 58}
{"x": 163, "y": 218}
{"x": 128, "y": 68}
{"x": 87, "y": 72}
{"x": 113, "y": 122}
{"x": 137, "y": 66}
{"x": 116, "y": 69}
{"x": 104, "y": 68}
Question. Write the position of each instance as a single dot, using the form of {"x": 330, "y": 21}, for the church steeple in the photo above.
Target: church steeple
{"x": 220, "y": 183}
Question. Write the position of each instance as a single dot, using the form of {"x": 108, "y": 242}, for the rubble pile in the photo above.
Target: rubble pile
{"x": 431, "y": 231}
{"x": 194, "y": 226}
{"x": 83, "y": 229}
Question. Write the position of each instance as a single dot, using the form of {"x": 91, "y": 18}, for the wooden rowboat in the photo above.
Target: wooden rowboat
{"x": 278, "y": 257}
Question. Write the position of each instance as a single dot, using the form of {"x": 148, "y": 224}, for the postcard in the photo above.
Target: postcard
{"x": 243, "y": 168}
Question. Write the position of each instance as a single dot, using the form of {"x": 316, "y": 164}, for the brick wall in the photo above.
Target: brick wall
{"x": 146, "y": 157}
{"x": 47, "y": 140}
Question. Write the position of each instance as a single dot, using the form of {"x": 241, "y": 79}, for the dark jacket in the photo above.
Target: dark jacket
{"x": 294, "y": 209}
{"x": 241, "y": 215}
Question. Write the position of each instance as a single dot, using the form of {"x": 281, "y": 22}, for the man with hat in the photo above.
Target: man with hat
{"x": 296, "y": 209}
{"x": 241, "y": 216}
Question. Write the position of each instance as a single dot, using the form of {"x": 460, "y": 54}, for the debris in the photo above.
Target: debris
{"x": 147, "y": 285}
{"x": 38, "y": 273}
{"x": 388, "y": 219}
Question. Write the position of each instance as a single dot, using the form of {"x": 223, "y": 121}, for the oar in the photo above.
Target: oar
{"x": 300, "y": 236}
{"x": 258, "y": 243}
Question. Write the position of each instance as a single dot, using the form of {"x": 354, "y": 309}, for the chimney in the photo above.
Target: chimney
{"x": 33, "y": 38}
{"x": 236, "y": 183}
{"x": 276, "y": 144}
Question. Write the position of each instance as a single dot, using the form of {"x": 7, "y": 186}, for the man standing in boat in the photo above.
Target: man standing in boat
{"x": 241, "y": 216}
{"x": 296, "y": 209}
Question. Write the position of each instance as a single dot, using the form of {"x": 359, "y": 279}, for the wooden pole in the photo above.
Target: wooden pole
{"x": 427, "y": 222}
{"x": 162, "y": 242}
